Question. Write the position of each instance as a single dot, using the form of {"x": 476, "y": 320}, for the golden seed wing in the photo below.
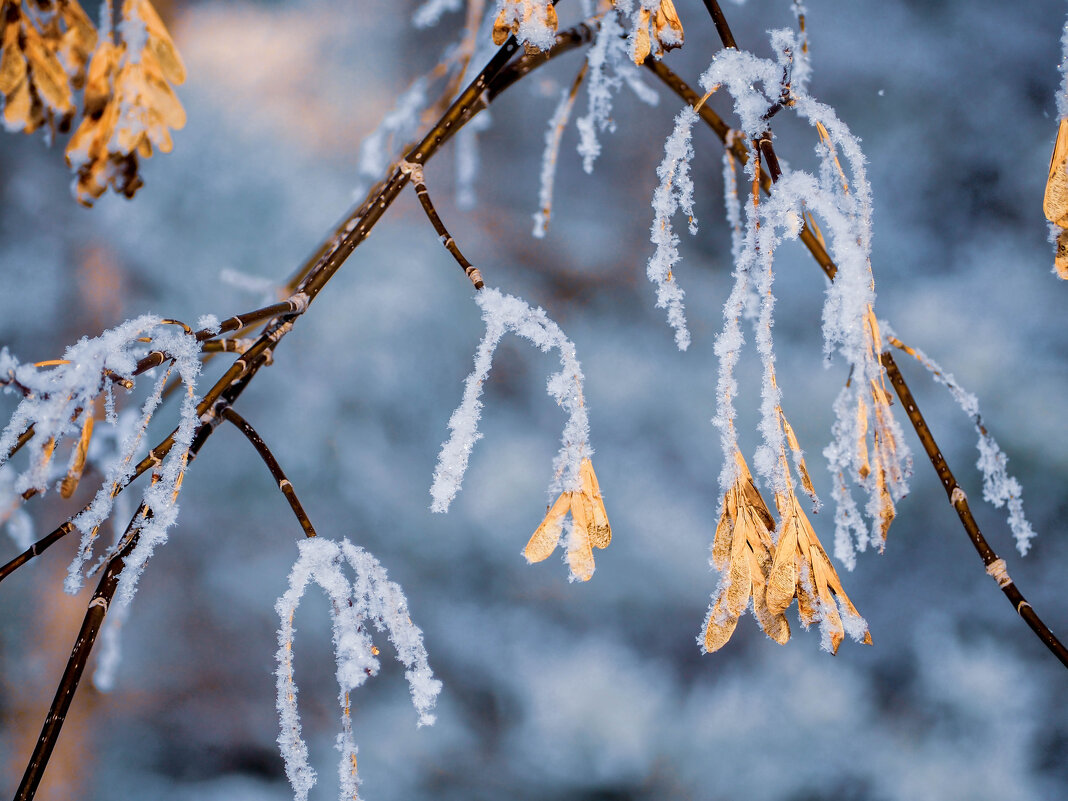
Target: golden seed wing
{"x": 718, "y": 631}
{"x": 579, "y": 552}
{"x": 546, "y": 537}
{"x": 161, "y": 45}
{"x": 782, "y": 580}
{"x": 12, "y": 62}
{"x": 1055, "y": 201}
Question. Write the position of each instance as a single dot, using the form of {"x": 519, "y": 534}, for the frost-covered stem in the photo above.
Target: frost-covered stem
{"x": 72, "y": 674}
{"x": 959, "y": 501}
{"x": 720, "y": 21}
{"x": 279, "y": 476}
{"x": 470, "y": 270}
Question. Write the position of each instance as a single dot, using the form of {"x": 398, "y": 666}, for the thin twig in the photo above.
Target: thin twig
{"x": 995, "y": 566}
{"x": 277, "y": 473}
{"x": 720, "y": 21}
{"x": 415, "y": 171}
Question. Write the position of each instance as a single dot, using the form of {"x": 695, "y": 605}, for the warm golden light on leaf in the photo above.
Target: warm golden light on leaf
{"x": 590, "y": 528}
{"x": 743, "y": 549}
{"x": 656, "y": 33}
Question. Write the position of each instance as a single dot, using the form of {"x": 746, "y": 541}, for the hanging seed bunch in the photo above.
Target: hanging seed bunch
{"x": 49, "y": 49}
{"x": 129, "y": 105}
{"x": 44, "y": 47}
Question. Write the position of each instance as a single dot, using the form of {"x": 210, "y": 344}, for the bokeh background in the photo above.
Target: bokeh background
{"x": 551, "y": 689}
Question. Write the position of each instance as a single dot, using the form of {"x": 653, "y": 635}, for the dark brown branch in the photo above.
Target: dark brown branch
{"x": 72, "y": 674}
{"x": 720, "y": 21}
{"x": 960, "y": 503}
{"x": 277, "y": 473}
{"x": 36, "y": 549}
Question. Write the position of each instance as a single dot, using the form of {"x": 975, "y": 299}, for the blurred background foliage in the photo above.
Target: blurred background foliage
{"x": 594, "y": 691}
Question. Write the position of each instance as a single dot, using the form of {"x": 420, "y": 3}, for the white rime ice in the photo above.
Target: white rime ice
{"x": 675, "y": 192}
{"x": 840, "y": 196}
{"x": 55, "y": 398}
{"x": 501, "y": 314}
{"x": 369, "y": 598}
{"x": 1000, "y": 488}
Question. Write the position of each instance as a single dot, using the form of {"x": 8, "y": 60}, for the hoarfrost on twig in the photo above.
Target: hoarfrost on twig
{"x": 368, "y": 599}
{"x": 501, "y": 314}
{"x": 674, "y": 192}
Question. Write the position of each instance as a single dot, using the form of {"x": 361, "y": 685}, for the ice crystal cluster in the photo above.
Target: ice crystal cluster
{"x": 502, "y": 314}
{"x": 367, "y": 599}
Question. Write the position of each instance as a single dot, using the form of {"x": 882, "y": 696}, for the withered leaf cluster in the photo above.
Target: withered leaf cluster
{"x": 44, "y": 46}
{"x": 589, "y": 530}
{"x": 773, "y": 575}
{"x": 656, "y": 32}
{"x": 743, "y": 551}
{"x": 129, "y": 109}
{"x": 49, "y": 49}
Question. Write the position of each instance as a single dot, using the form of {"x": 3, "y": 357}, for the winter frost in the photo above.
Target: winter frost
{"x": 501, "y": 314}
{"x": 368, "y": 598}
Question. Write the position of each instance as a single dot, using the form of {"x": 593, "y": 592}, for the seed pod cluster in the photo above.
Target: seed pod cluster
{"x": 49, "y": 49}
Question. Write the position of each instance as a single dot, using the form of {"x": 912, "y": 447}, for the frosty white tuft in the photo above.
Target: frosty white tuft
{"x": 370, "y": 598}
{"x": 503, "y": 313}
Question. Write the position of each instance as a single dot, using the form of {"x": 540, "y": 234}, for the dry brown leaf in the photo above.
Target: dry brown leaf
{"x": 590, "y": 528}
{"x": 719, "y": 627}
{"x": 599, "y": 527}
{"x": 579, "y": 550}
{"x": 656, "y": 33}
{"x": 12, "y": 62}
{"x": 74, "y": 472}
{"x": 49, "y": 79}
{"x": 77, "y": 42}
{"x": 782, "y": 580}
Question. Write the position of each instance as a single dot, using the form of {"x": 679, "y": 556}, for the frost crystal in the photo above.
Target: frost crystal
{"x": 504, "y": 313}
{"x": 368, "y": 599}
{"x": 58, "y": 397}
{"x": 675, "y": 192}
